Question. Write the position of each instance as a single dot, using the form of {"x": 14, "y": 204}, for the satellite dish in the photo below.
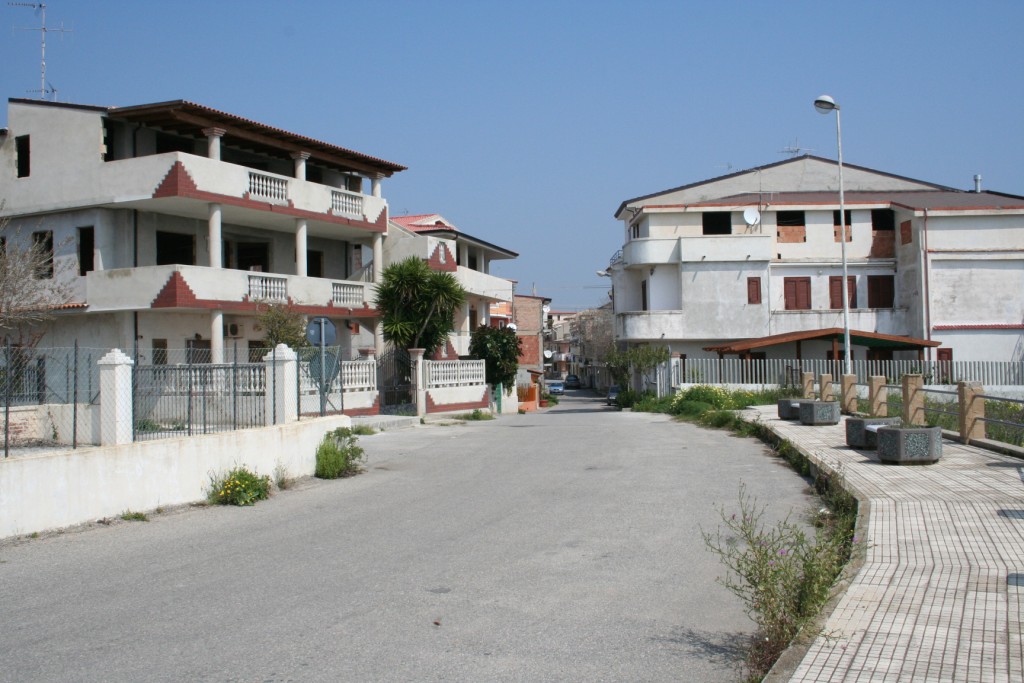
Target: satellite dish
{"x": 547, "y": 353}
{"x": 546, "y": 309}
{"x": 751, "y": 216}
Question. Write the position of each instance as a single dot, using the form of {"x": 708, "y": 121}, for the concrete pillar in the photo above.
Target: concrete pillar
{"x": 281, "y": 392}
{"x": 217, "y": 337}
{"x": 214, "y": 236}
{"x": 825, "y": 387}
{"x": 375, "y": 184}
{"x": 848, "y": 397}
{"x": 807, "y": 383}
{"x": 378, "y": 257}
{"x": 301, "y": 267}
{"x": 878, "y": 396}
{"x": 419, "y": 378}
{"x": 300, "y": 164}
{"x": 213, "y": 136}
{"x": 972, "y": 411}
{"x": 116, "y": 414}
{"x": 913, "y": 399}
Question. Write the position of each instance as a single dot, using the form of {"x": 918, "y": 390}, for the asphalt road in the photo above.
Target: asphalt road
{"x": 561, "y": 546}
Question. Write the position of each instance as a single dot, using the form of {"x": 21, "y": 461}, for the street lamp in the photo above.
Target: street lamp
{"x": 825, "y": 105}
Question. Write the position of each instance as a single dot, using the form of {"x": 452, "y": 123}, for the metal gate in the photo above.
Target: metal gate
{"x": 395, "y": 383}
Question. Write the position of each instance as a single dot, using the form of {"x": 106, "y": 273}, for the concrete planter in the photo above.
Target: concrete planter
{"x": 789, "y": 408}
{"x": 859, "y": 436}
{"x": 819, "y": 412}
{"x": 910, "y": 445}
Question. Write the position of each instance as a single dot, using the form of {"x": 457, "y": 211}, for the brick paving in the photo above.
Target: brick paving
{"x": 940, "y": 595}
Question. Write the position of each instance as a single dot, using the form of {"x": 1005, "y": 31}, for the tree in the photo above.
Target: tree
{"x": 593, "y": 332}
{"x": 499, "y": 349}
{"x": 32, "y": 284}
{"x": 418, "y": 305}
{"x": 282, "y": 324}
{"x": 641, "y": 359}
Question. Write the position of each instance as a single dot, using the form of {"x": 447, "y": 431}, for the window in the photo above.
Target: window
{"x": 314, "y": 263}
{"x": 174, "y": 248}
{"x": 643, "y": 295}
{"x": 797, "y": 292}
{"x": 881, "y": 291}
{"x": 835, "y": 291}
{"x": 717, "y": 222}
{"x": 883, "y": 219}
{"x": 42, "y": 242}
{"x": 635, "y": 232}
{"x": 23, "y": 151}
{"x": 86, "y": 250}
{"x": 159, "y": 352}
{"x": 791, "y": 226}
{"x": 753, "y": 290}
{"x": 199, "y": 350}
{"x": 837, "y": 228}
{"x": 906, "y": 234}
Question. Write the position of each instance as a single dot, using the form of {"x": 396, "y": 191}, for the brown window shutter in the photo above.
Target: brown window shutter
{"x": 753, "y": 290}
{"x": 881, "y": 291}
{"x": 835, "y": 291}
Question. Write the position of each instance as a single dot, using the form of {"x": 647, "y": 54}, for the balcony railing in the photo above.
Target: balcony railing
{"x": 346, "y": 202}
{"x": 273, "y": 189}
{"x": 346, "y": 294}
{"x": 266, "y": 288}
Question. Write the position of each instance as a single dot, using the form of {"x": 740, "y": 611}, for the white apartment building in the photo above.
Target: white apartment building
{"x": 444, "y": 247}
{"x": 750, "y": 264}
{"x": 175, "y": 223}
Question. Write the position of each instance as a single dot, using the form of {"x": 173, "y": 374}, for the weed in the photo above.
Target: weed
{"x": 363, "y": 430}
{"x": 281, "y": 478}
{"x": 240, "y": 486}
{"x": 130, "y": 516}
{"x": 475, "y": 416}
{"x": 338, "y": 455}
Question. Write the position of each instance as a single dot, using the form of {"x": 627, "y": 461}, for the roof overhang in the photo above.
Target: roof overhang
{"x": 872, "y": 340}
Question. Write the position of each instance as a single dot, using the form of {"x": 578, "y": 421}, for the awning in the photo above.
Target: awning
{"x": 872, "y": 340}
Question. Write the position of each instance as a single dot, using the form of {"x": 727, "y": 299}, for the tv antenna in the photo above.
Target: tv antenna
{"x": 795, "y": 149}
{"x": 45, "y": 88}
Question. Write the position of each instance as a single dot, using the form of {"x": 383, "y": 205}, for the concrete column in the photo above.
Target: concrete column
{"x": 301, "y": 267}
{"x": 825, "y": 387}
{"x": 848, "y": 400}
{"x": 213, "y": 136}
{"x": 972, "y": 411}
{"x": 116, "y": 414}
{"x": 878, "y": 396}
{"x": 481, "y": 263}
{"x": 807, "y": 383}
{"x": 281, "y": 390}
{"x": 419, "y": 377}
{"x": 217, "y": 337}
{"x": 378, "y": 257}
{"x": 300, "y": 164}
{"x": 378, "y": 337}
{"x": 214, "y": 236}
{"x": 375, "y": 184}
{"x": 913, "y": 399}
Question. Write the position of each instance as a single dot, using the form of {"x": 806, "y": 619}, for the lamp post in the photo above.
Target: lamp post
{"x": 825, "y": 105}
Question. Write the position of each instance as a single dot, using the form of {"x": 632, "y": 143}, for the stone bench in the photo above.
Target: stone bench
{"x": 909, "y": 445}
{"x": 862, "y": 432}
{"x": 789, "y": 408}
{"x": 819, "y": 412}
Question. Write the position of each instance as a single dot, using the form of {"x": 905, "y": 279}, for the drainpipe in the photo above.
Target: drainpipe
{"x": 924, "y": 276}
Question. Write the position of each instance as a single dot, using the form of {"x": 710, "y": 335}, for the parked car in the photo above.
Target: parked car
{"x": 572, "y": 382}
{"x": 613, "y": 393}
{"x": 555, "y": 386}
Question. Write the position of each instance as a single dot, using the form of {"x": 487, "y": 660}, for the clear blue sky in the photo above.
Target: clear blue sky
{"x": 527, "y": 123}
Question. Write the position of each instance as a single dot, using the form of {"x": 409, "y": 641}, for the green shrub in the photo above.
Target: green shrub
{"x": 719, "y": 419}
{"x": 363, "y": 430}
{"x": 240, "y": 486}
{"x": 338, "y": 455}
{"x": 475, "y": 416}
{"x": 689, "y": 408}
{"x": 627, "y": 398}
{"x": 716, "y": 396}
{"x": 130, "y": 516}
{"x": 649, "y": 403}
{"x": 550, "y": 398}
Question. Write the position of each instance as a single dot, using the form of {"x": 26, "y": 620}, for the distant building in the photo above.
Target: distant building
{"x": 530, "y": 321}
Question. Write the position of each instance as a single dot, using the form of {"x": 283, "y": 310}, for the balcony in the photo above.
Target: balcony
{"x": 894, "y": 321}
{"x": 721, "y": 248}
{"x": 483, "y": 285}
{"x": 650, "y": 325}
{"x": 126, "y": 289}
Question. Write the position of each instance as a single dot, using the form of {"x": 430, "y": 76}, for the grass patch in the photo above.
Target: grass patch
{"x": 363, "y": 430}
{"x": 475, "y": 416}
{"x": 130, "y": 516}
{"x": 338, "y": 455}
{"x": 240, "y": 486}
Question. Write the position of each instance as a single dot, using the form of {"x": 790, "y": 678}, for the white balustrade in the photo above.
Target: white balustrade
{"x": 268, "y": 188}
{"x": 347, "y": 202}
{"x": 455, "y": 373}
{"x": 267, "y": 288}
{"x": 347, "y": 294}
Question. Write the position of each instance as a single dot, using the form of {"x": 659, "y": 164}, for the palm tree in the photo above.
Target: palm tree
{"x": 418, "y": 304}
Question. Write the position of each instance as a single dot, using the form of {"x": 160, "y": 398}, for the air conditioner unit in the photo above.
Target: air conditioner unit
{"x": 233, "y": 330}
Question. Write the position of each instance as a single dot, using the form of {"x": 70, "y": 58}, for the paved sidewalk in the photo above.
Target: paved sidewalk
{"x": 939, "y": 596}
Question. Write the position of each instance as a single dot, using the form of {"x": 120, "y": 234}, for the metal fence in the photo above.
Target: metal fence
{"x": 786, "y": 372}
{"x": 48, "y": 395}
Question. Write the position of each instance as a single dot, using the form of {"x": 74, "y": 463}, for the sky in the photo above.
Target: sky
{"x": 527, "y": 123}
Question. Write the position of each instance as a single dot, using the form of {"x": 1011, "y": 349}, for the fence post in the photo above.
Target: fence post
{"x": 807, "y": 382}
{"x": 972, "y": 411}
{"x": 913, "y": 399}
{"x": 419, "y": 380}
{"x": 825, "y": 387}
{"x": 281, "y": 392}
{"x": 878, "y": 396}
{"x": 848, "y": 399}
{"x": 116, "y": 415}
